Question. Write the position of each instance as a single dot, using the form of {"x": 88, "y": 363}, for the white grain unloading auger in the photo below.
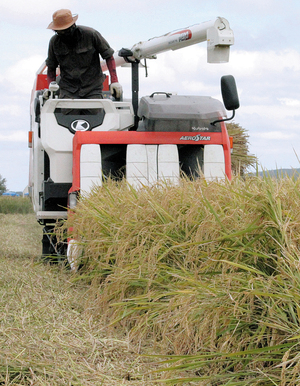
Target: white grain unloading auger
{"x": 76, "y": 143}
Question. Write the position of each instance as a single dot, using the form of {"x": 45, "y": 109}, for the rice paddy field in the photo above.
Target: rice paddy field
{"x": 195, "y": 284}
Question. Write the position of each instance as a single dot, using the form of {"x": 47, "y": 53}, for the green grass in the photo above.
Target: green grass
{"x": 21, "y": 205}
{"x": 205, "y": 274}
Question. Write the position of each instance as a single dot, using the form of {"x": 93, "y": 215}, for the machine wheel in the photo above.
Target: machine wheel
{"x": 74, "y": 254}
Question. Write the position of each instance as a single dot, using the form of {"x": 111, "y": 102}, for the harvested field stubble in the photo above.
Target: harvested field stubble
{"x": 46, "y": 337}
{"x": 205, "y": 272}
{"x": 19, "y": 235}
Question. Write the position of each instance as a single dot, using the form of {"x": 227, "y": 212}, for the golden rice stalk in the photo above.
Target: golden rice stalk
{"x": 241, "y": 159}
{"x": 208, "y": 272}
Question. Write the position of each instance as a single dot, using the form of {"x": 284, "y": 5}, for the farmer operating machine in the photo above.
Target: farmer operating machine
{"x": 76, "y": 143}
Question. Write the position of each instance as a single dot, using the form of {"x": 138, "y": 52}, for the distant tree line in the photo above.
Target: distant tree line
{"x": 2, "y": 185}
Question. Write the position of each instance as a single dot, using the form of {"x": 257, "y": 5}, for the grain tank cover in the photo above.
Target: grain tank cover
{"x": 166, "y": 112}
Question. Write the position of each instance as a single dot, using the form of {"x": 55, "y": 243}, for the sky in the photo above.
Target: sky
{"x": 265, "y": 61}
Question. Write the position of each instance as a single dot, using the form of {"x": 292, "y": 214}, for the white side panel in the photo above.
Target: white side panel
{"x": 90, "y": 167}
{"x": 137, "y": 165}
{"x": 58, "y": 140}
{"x": 168, "y": 163}
{"x": 61, "y": 166}
{"x": 146, "y": 164}
{"x": 126, "y": 114}
{"x": 214, "y": 162}
{"x": 151, "y": 151}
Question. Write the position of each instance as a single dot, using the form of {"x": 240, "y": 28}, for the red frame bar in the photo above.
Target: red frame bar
{"x": 41, "y": 82}
{"x": 148, "y": 138}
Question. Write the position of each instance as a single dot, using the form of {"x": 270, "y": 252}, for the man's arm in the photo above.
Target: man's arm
{"x": 115, "y": 87}
{"x": 51, "y": 62}
{"x": 51, "y": 75}
{"x": 106, "y": 52}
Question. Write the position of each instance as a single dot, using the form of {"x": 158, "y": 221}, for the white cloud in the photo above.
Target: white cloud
{"x": 289, "y": 102}
{"x": 273, "y": 113}
{"x": 260, "y": 64}
{"x": 275, "y": 135}
{"x": 255, "y": 6}
{"x": 30, "y": 12}
{"x": 10, "y": 109}
{"x": 15, "y": 136}
{"x": 19, "y": 78}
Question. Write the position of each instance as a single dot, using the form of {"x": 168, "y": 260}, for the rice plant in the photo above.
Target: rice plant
{"x": 241, "y": 159}
{"x": 206, "y": 274}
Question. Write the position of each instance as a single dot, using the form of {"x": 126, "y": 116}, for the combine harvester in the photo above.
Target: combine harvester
{"x": 146, "y": 140}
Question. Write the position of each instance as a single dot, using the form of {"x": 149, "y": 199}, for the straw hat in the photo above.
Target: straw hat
{"x": 62, "y": 19}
